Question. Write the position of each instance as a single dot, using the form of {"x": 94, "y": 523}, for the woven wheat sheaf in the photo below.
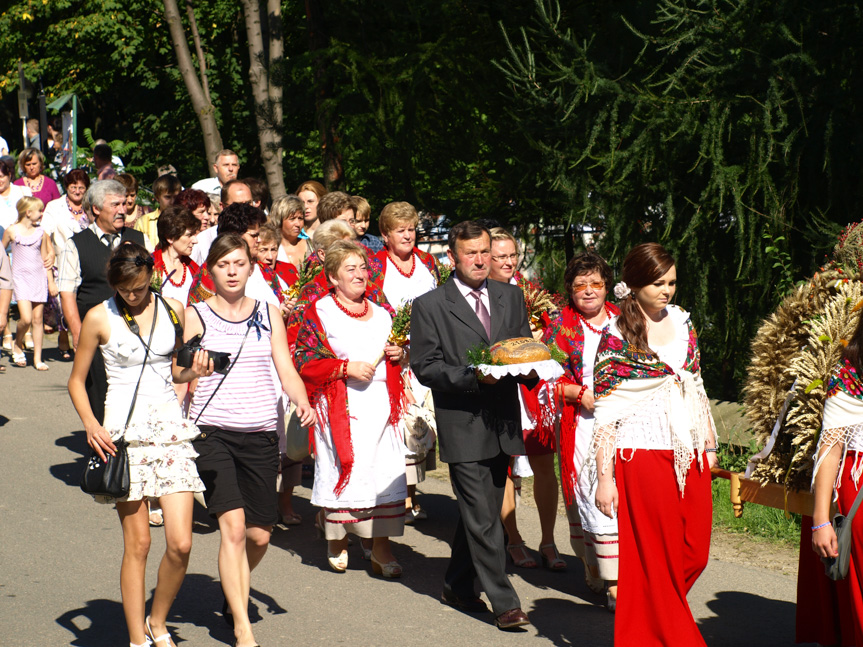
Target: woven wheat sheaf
{"x": 801, "y": 341}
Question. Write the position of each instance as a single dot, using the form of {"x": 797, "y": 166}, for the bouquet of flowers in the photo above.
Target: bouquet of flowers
{"x": 540, "y": 304}
{"x": 306, "y": 275}
{"x": 445, "y": 269}
{"x": 156, "y": 282}
{"x": 401, "y": 330}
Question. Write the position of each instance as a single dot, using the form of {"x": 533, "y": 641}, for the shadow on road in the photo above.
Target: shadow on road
{"x": 199, "y": 603}
{"x": 70, "y": 473}
{"x": 566, "y": 623}
{"x": 747, "y": 620}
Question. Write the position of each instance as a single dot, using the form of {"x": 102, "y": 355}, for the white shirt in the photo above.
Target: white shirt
{"x": 4, "y": 147}
{"x": 8, "y": 210}
{"x": 465, "y": 290}
{"x": 208, "y": 185}
{"x": 258, "y": 289}
{"x": 70, "y": 262}
{"x": 60, "y": 223}
{"x": 202, "y": 247}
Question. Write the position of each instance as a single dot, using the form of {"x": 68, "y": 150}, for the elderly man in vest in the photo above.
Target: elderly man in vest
{"x": 83, "y": 283}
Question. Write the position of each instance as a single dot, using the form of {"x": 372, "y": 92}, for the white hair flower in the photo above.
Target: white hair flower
{"x": 621, "y": 290}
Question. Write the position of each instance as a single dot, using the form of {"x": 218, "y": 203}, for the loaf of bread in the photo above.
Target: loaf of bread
{"x": 520, "y": 350}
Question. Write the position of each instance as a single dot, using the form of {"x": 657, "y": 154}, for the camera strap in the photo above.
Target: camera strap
{"x": 123, "y": 308}
{"x": 249, "y": 326}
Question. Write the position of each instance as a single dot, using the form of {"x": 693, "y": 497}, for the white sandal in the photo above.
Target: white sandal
{"x": 166, "y": 637}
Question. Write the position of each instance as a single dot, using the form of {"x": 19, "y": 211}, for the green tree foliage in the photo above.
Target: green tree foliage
{"x": 726, "y": 130}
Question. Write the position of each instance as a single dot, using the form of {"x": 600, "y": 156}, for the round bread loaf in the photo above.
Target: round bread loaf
{"x": 520, "y": 350}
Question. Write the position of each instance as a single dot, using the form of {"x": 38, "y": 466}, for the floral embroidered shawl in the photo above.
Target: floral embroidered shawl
{"x": 626, "y": 376}
{"x": 202, "y": 286}
{"x": 321, "y": 372}
{"x": 567, "y": 333}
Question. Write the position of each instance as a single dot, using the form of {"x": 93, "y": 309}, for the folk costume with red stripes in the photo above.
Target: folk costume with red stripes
{"x": 173, "y": 284}
{"x": 653, "y": 423}
{"x": 593, "y": 536}
{"x": 359, "y": 453}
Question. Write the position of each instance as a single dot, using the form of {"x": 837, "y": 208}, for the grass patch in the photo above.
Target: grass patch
{"x": 757, "y": 520}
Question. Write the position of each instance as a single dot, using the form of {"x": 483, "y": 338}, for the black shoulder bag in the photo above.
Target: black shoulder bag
{"x": 111, "y": 477}
{"x": 836, "y": 568}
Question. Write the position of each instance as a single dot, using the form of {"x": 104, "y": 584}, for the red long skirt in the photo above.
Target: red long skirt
{"x": 847, "y": 493}
{"x": 664, "y": 547}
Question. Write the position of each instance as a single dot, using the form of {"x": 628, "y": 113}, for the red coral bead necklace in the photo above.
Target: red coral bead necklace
{"x": 587, "y": 323}
{"x": 409, "y": 273}
{"x": 355, "y": 315}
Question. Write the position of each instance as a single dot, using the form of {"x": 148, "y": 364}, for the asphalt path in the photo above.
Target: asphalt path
{"x": 60, "y": 559}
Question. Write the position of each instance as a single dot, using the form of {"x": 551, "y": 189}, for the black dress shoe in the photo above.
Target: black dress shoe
{"x": 470, "y": 605}
{"x": 511, "y": 619}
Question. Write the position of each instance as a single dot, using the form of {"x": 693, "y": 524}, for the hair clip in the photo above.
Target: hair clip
{"x": 621, "y": 290}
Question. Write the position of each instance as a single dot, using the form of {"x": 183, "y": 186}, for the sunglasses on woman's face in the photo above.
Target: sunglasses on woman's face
{"x": 581, "y": 287}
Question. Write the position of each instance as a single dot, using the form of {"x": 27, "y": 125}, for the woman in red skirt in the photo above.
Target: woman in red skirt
{"x": 654, "y": 443}
{"x": 839, "y": 465}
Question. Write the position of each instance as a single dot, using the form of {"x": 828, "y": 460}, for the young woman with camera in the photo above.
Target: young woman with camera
{"x": 236, "y": 413}
{"x": 161, "y": 457}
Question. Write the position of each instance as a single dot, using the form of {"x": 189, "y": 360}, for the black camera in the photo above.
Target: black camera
{"x": 186, "y": 354}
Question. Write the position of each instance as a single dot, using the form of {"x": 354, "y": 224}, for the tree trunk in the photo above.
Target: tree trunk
{"x": 200, "y": 101}
{"x": 267, "y": 95}
{"x": 325, "y": 115}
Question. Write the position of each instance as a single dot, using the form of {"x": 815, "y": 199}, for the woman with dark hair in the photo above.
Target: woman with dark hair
{"x": 577, "y": 332}
{"x": 63, "y": 218}
{"x": 654, "y": 443}
{"x": 31, "y": 164}
{"x": 161, "y": 457}
{"x": 197, "y": 202}
{"x": 174, "y": 270}
{"x": 236, "y": 413}
{"x": 837, "y": 467}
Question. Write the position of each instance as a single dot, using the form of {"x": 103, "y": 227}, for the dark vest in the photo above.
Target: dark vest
{"x": 93, "y": 257}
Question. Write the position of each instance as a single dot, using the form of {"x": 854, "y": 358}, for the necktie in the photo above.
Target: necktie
{"x": 109, "y": 239}
{"x": 482, "y": 312}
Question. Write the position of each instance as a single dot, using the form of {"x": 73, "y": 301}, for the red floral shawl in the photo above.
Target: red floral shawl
{"x": 202, "y": 286}
{"x": 322, "y": 373}
{"x": 567, "y": 333}
{"x": 285, "y": 271}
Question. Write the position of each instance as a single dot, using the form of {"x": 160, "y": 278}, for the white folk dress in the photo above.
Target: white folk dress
{"x": 161, "y": 457}
{"x": 373, "y": 502}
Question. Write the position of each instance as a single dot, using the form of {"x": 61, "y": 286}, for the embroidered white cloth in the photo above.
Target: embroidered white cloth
{"x": 547, "y": 369}
{"x": 842, "y": 424}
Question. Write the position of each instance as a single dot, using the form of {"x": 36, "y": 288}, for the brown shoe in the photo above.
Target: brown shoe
{"x": 511, "y": 619}
{"x": 469, "y": 605}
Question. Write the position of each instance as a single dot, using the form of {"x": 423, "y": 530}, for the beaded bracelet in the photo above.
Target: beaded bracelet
{"x": 580, "y": 395}
{"x": 820, "y": 526}
{"x": 345, "y": 369}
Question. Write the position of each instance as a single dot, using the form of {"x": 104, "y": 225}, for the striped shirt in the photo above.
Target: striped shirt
{"x": 247, "y": 401}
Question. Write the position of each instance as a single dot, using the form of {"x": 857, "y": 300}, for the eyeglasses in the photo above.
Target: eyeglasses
{"x": 505, "y": 257}
{"x": 581, "y": 287}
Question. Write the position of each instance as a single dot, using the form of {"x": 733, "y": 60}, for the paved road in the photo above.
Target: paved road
{"x": 60, "y": 555}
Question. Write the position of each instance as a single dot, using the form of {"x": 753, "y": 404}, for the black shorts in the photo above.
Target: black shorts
{"x": 239, "y": 470}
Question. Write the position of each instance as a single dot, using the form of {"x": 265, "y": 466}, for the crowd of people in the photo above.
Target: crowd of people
{"x": 294, "y": 314}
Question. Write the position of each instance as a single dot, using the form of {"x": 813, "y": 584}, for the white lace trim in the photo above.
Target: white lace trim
{"x": 851, "y": 438}
{"x": 674, "y": 416}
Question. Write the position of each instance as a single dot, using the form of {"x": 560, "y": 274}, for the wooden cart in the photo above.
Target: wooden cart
{"x": 745, "y": 490}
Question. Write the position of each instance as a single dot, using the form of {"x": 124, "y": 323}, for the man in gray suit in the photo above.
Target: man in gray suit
{"x": 477, "y": 416}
